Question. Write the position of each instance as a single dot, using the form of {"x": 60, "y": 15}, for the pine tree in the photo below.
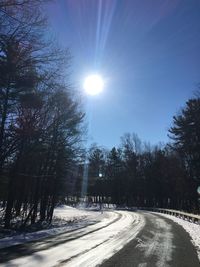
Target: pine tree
{"x": 185, "y": 133}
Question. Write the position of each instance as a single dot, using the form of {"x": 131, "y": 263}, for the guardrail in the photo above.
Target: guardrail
{"x": 180, "y": 214}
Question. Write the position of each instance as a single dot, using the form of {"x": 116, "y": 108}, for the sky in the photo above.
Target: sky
{"x": 148, "y": 53}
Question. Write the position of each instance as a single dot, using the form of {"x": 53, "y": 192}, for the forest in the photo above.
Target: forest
{"x": 43, "y": 160}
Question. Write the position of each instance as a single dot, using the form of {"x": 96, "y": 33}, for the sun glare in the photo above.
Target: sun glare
{"x": 93, "y": 84}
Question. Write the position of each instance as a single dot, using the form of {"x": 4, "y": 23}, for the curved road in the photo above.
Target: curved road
{"x": 122, "y": 239}
{"x": 161, "y": 243}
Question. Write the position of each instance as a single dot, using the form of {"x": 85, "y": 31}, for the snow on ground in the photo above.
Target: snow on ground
{"x": 192, "y": 228}
{"x": 71, "y": 218}
{"x": 71, "y": 214}
{"x": 90, "y": 247}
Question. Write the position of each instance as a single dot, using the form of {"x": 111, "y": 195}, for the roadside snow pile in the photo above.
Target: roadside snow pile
{"x": 192, "y": 228}
{"x": 65, "y": 219}
{"x": 71, "y": 214}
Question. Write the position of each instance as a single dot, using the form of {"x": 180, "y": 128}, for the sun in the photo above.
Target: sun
{"x": 93, "y": 84}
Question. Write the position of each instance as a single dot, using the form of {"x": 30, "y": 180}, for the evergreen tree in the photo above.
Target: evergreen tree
{"x": 185, "y": 133}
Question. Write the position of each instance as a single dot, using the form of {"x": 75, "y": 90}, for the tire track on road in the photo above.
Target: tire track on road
{"x": 131, "y": 225}
{"x": 88, "y": 249}
{"x": 31, "y": 247}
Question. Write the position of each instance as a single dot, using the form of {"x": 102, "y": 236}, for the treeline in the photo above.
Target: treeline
{"x": 136, "y": 174}
{"x": 41, "y": 128}
{"x": 40, "y": 120}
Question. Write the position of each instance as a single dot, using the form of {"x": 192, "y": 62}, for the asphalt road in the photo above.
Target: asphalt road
{"x": 161, "y": 243}
{"x": 126, "y": 239}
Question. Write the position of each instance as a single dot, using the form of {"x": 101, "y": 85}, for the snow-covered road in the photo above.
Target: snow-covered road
{"x": 88, "y": 246}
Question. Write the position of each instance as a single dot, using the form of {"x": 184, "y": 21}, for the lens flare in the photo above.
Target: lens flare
{"x": 198, "y": 190}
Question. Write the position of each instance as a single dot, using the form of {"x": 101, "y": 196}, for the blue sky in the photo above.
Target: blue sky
{"x": 148, "y": 52}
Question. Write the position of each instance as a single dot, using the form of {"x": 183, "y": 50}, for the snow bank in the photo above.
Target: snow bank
{"x": 192, "y": 228}
{"x": 69, "y": 213}
{"x": 72, "y": 218}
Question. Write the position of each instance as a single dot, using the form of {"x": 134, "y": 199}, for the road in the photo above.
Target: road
{"x": 161, "y": 243}
{"x": 122, "y": 239}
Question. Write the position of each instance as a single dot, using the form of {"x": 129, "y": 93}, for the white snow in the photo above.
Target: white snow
{"x": 92, "y": 245}
{"x": 74, "y": 218}
{"x": 192, "y": 228}
{"x": 70, "y": 214}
